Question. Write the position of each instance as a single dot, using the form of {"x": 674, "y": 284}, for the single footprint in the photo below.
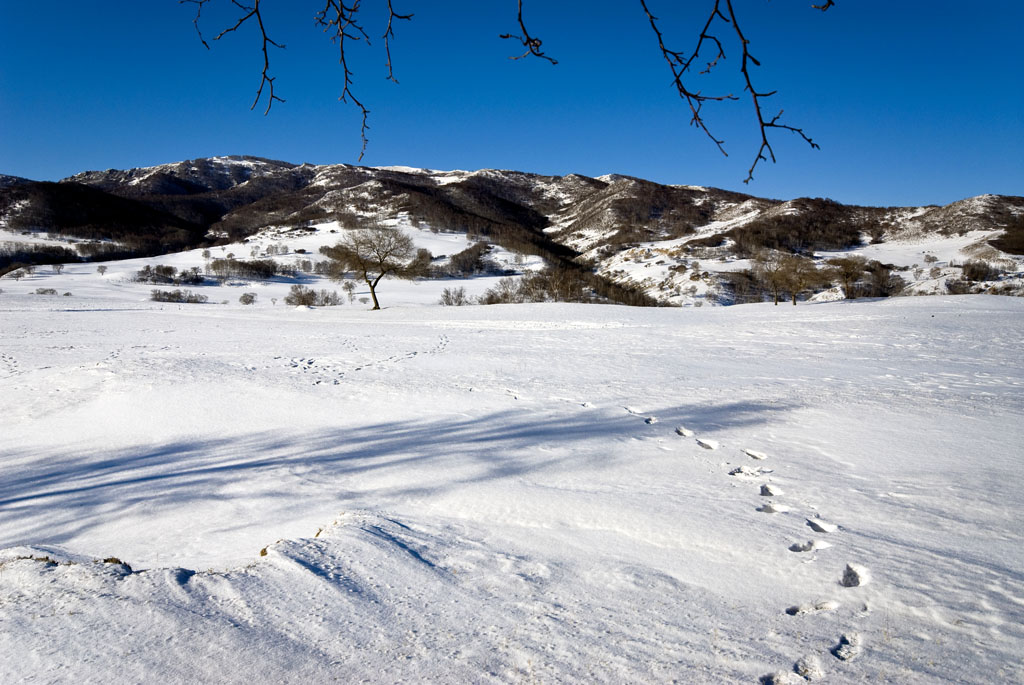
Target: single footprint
{"x": 855, "y": 575}
{"x": 749, "y": 472}
{"x": 849, "y": 647}
{"x": 816, "y": 608}
{"x": 651, "y": 420}
{"x": 819, "y": 526}
{"x": 753, "y": 454}
{"x": 782, "y": 678}
{"x": 809, "y": 668}
{"x": 768, "y": 490}
{"x": 684, "y": 431}
{"x": 773, "y": 508}
{"x": 707, "y": 443}
{"x": 809, "y": 546}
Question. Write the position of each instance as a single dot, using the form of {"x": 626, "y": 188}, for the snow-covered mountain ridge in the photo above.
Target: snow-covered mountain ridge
{"x": 676, "y": 244}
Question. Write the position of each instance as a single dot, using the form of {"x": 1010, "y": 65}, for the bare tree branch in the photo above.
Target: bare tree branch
{"x": 267, "y": 41}
{"x": 756, "y": 98}
{"x": 195, "y": 22}
{"x": 340, "y": 19}
{"x": 389, "y": 34}
{"x": 680, "y": 65}
{"x": 531, "y": 44}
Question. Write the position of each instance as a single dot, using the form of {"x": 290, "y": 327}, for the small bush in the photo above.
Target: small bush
{"x": 975, "y": 270}
{"x": 247, "y": 298}
{"x": 46, "y": 291}
{"x": 182, "y": 296}
{"x": 960, "y": 286}
{"x": 454, "y": 297}
{"x": 506, "y": 291}
{"x": 161, "y": 273}
{"x": 468, "y": 262}
{"x": 328, "y": 298}
{"x": 256, "y": 270}
{"x": 300, "y": 295}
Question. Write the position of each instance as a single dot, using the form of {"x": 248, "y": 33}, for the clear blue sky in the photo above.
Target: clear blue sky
{"x": 911, "y": 102}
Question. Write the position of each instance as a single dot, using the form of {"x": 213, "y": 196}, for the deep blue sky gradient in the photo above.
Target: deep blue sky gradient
{"x": 912, "y": 102}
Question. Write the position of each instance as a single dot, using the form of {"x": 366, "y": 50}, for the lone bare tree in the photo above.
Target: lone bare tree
{"x": 848, "y": 270}
{"x": 373, "y": 253}
{"x": 344, "y": 22}
{"x": 770, "y": 269}
{"x": 801, "y": 274}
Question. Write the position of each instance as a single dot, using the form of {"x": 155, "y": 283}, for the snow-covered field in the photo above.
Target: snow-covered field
{"x": 523, "y": 493}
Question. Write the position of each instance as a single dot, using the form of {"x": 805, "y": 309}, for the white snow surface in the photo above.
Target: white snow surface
{"x": 476, "y": 494}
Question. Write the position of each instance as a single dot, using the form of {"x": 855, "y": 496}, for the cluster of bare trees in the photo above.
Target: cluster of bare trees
{"x": 781, "y": 273}
{"x": 723, "y": 33}
{"x": 784, "y": 274}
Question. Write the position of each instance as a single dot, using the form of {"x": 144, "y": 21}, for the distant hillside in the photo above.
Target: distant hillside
{"x": 672, "y": 244}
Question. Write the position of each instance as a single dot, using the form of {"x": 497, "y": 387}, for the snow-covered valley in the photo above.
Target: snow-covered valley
{"x": 515, "y": 493}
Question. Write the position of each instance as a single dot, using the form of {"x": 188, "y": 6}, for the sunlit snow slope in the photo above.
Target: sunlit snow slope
{"x": 523, "y": 493}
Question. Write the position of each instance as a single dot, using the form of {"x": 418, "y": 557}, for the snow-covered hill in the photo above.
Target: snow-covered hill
{"x": 538, "y": 493}
{"x": 677, "y": 245}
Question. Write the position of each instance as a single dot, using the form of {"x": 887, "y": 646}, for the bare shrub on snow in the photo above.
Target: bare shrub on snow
{"x": 300, "y": 295}
{"x": 182, "y": 296}
{"x": 454, "y": 297}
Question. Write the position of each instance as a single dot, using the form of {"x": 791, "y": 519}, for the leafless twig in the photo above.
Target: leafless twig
{"x": 340, "y": 21}
{"x": 756, "y": 97}
{"x": 199, "y": 13}
{"x": 252, "y": 12}
{"x": 681, "y": 65}
{"x": 389, "y": 34}
{"x": 531, "y": 44}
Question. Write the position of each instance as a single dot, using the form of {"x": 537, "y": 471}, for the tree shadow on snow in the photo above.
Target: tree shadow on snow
{"x": 68, "y": 493}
